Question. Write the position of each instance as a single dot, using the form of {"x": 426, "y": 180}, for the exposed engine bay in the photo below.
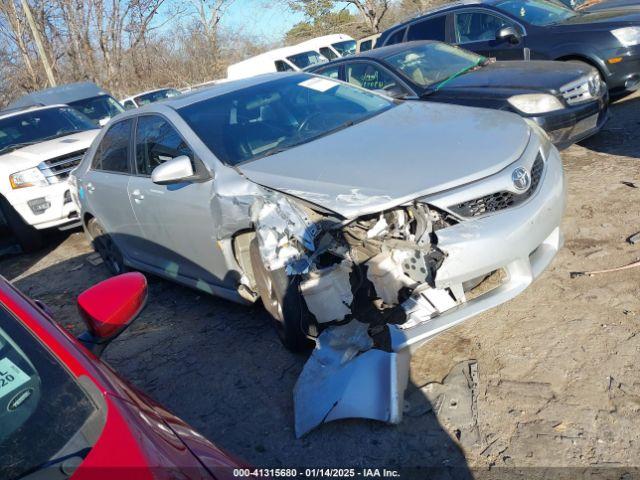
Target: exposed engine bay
{"x": 370, "y": 269}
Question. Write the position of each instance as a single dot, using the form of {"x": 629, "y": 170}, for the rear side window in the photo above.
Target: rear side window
{"x": 331, "y": 72}
{"x": 397, "y": 37}
{"x": 112, "y": 154}
{"x": 283, "y": 66}
{"x": 366, "y": 45}
{"x": 478, "y": 26}
{"x": 327, "y": 52}
{"x": 156, "y": 142}
{"x": 430, "y": 29}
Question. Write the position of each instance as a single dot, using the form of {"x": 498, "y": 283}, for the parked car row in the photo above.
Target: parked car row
{"x": 607, "y": 40}
{"x": 294, "y": 58}
{"x": 569, "y": 101}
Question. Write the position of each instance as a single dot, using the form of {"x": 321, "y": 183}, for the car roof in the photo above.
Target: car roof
{"x": 131, "y": 97}
{"x": 442, "y": 8}
{"x": 70, "y": 92}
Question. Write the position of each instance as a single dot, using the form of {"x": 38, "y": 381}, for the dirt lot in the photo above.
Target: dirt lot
{"x": 557, "y": 383}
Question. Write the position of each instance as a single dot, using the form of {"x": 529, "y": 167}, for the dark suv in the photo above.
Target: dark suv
{"x": 535, "y": 29}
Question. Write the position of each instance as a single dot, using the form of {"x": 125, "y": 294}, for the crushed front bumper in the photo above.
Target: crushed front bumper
{"x": 345, "y": 379}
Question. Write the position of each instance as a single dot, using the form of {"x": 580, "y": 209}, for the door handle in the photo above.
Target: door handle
{"x": 137, "y": 195}
{"x": 90, "y": 188}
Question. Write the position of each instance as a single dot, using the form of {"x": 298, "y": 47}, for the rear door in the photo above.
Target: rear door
{"x": 476, "y": 29}
{"x": 176, "y": 219}
{"x": 432, "y": 28}
{"x": 105, "y": 187}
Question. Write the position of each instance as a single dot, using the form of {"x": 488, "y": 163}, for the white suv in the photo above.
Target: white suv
{"x": 39, "y": 146}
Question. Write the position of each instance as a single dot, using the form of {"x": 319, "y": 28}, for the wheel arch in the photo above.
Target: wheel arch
{"x": 586, "y": 59}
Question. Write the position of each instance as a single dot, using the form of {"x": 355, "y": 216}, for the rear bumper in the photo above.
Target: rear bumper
{"x": 570, "y": 125}
{"x": 61, "y": 211}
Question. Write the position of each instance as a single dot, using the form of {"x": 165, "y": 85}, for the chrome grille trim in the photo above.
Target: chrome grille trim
{"x": 584, "y": 89}
{"x": 57, "y": 169}
{"x": 502, "y": 200}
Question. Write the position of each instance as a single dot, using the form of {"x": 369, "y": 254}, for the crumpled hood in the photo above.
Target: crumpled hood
{"x": 32, "y": 155}
{"x": 412, "y": 150}
{"x": 534, "y": 75}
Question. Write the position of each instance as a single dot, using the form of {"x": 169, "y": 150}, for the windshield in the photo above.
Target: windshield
{"x": 277, "y": 115}
{"x": 303, "y": 60}
{"x": 35, "y": 126}
{"x": 432, "y": 63}
{"x": 348, "y": 47}
{"x": 156, "y": 96}
{"x": 98, "y": 108}
{"x": 42, "y": 407}
{"x": 536, "y": 12}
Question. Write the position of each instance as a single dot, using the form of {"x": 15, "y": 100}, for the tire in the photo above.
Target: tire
{"x": 281, "y": 297}
{"x": 106, "y": 247}
{"x": 29, "y": 238}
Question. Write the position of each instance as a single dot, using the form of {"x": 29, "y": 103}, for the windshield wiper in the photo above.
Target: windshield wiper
{"x": 82, "y": 453}
{"x": 15, "y": 146}
{"x": 434, "y": 88}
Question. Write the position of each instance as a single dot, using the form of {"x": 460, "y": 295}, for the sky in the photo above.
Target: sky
{"x": 268, "y": 20}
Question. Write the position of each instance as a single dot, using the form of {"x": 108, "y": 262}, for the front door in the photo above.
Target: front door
{"x": 176, "y": 219}
{"x": 476, "y": 31}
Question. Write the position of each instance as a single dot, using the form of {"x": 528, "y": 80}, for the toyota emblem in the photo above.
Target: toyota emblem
{"x": 521, "y": 179}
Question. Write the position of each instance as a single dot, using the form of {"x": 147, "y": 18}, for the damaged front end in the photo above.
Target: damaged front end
{"x": 355, "y": 279}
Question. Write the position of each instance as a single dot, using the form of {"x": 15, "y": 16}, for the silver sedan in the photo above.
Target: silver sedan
{"x": 355, "y": 218}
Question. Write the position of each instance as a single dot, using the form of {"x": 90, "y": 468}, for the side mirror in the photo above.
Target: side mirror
{"x": 176, "y": 170}
{"x": 109, "y": 307}
{"x": 509, "y": 34}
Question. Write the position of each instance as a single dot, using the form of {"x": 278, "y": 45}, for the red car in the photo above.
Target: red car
{"x": 65, "y": 414}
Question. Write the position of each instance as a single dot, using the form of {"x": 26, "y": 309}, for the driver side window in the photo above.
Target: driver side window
{"x": 156, "y": 142}
{"x": 371, "y": 77}
{"x": 478, "y": 26}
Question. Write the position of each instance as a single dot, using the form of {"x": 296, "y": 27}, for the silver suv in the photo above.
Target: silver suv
{"x": 334, "y": 205}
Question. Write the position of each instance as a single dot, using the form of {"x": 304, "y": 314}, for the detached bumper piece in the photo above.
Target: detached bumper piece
{"x": 346, "y": 377}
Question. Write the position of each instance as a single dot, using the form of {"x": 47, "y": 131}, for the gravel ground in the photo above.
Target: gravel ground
{"x": 555, "y": 380}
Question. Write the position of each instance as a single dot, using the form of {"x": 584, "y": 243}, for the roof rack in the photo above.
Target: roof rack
{"x": 446, "y": 6}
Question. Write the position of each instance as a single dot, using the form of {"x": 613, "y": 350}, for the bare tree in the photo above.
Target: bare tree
{"x": 371, "y": 12}
{"x": 13, "y": 28}
{"x": 207, "y": 16}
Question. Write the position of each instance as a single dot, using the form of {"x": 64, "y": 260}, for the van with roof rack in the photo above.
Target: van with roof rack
{"x": 39, "y": 146}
